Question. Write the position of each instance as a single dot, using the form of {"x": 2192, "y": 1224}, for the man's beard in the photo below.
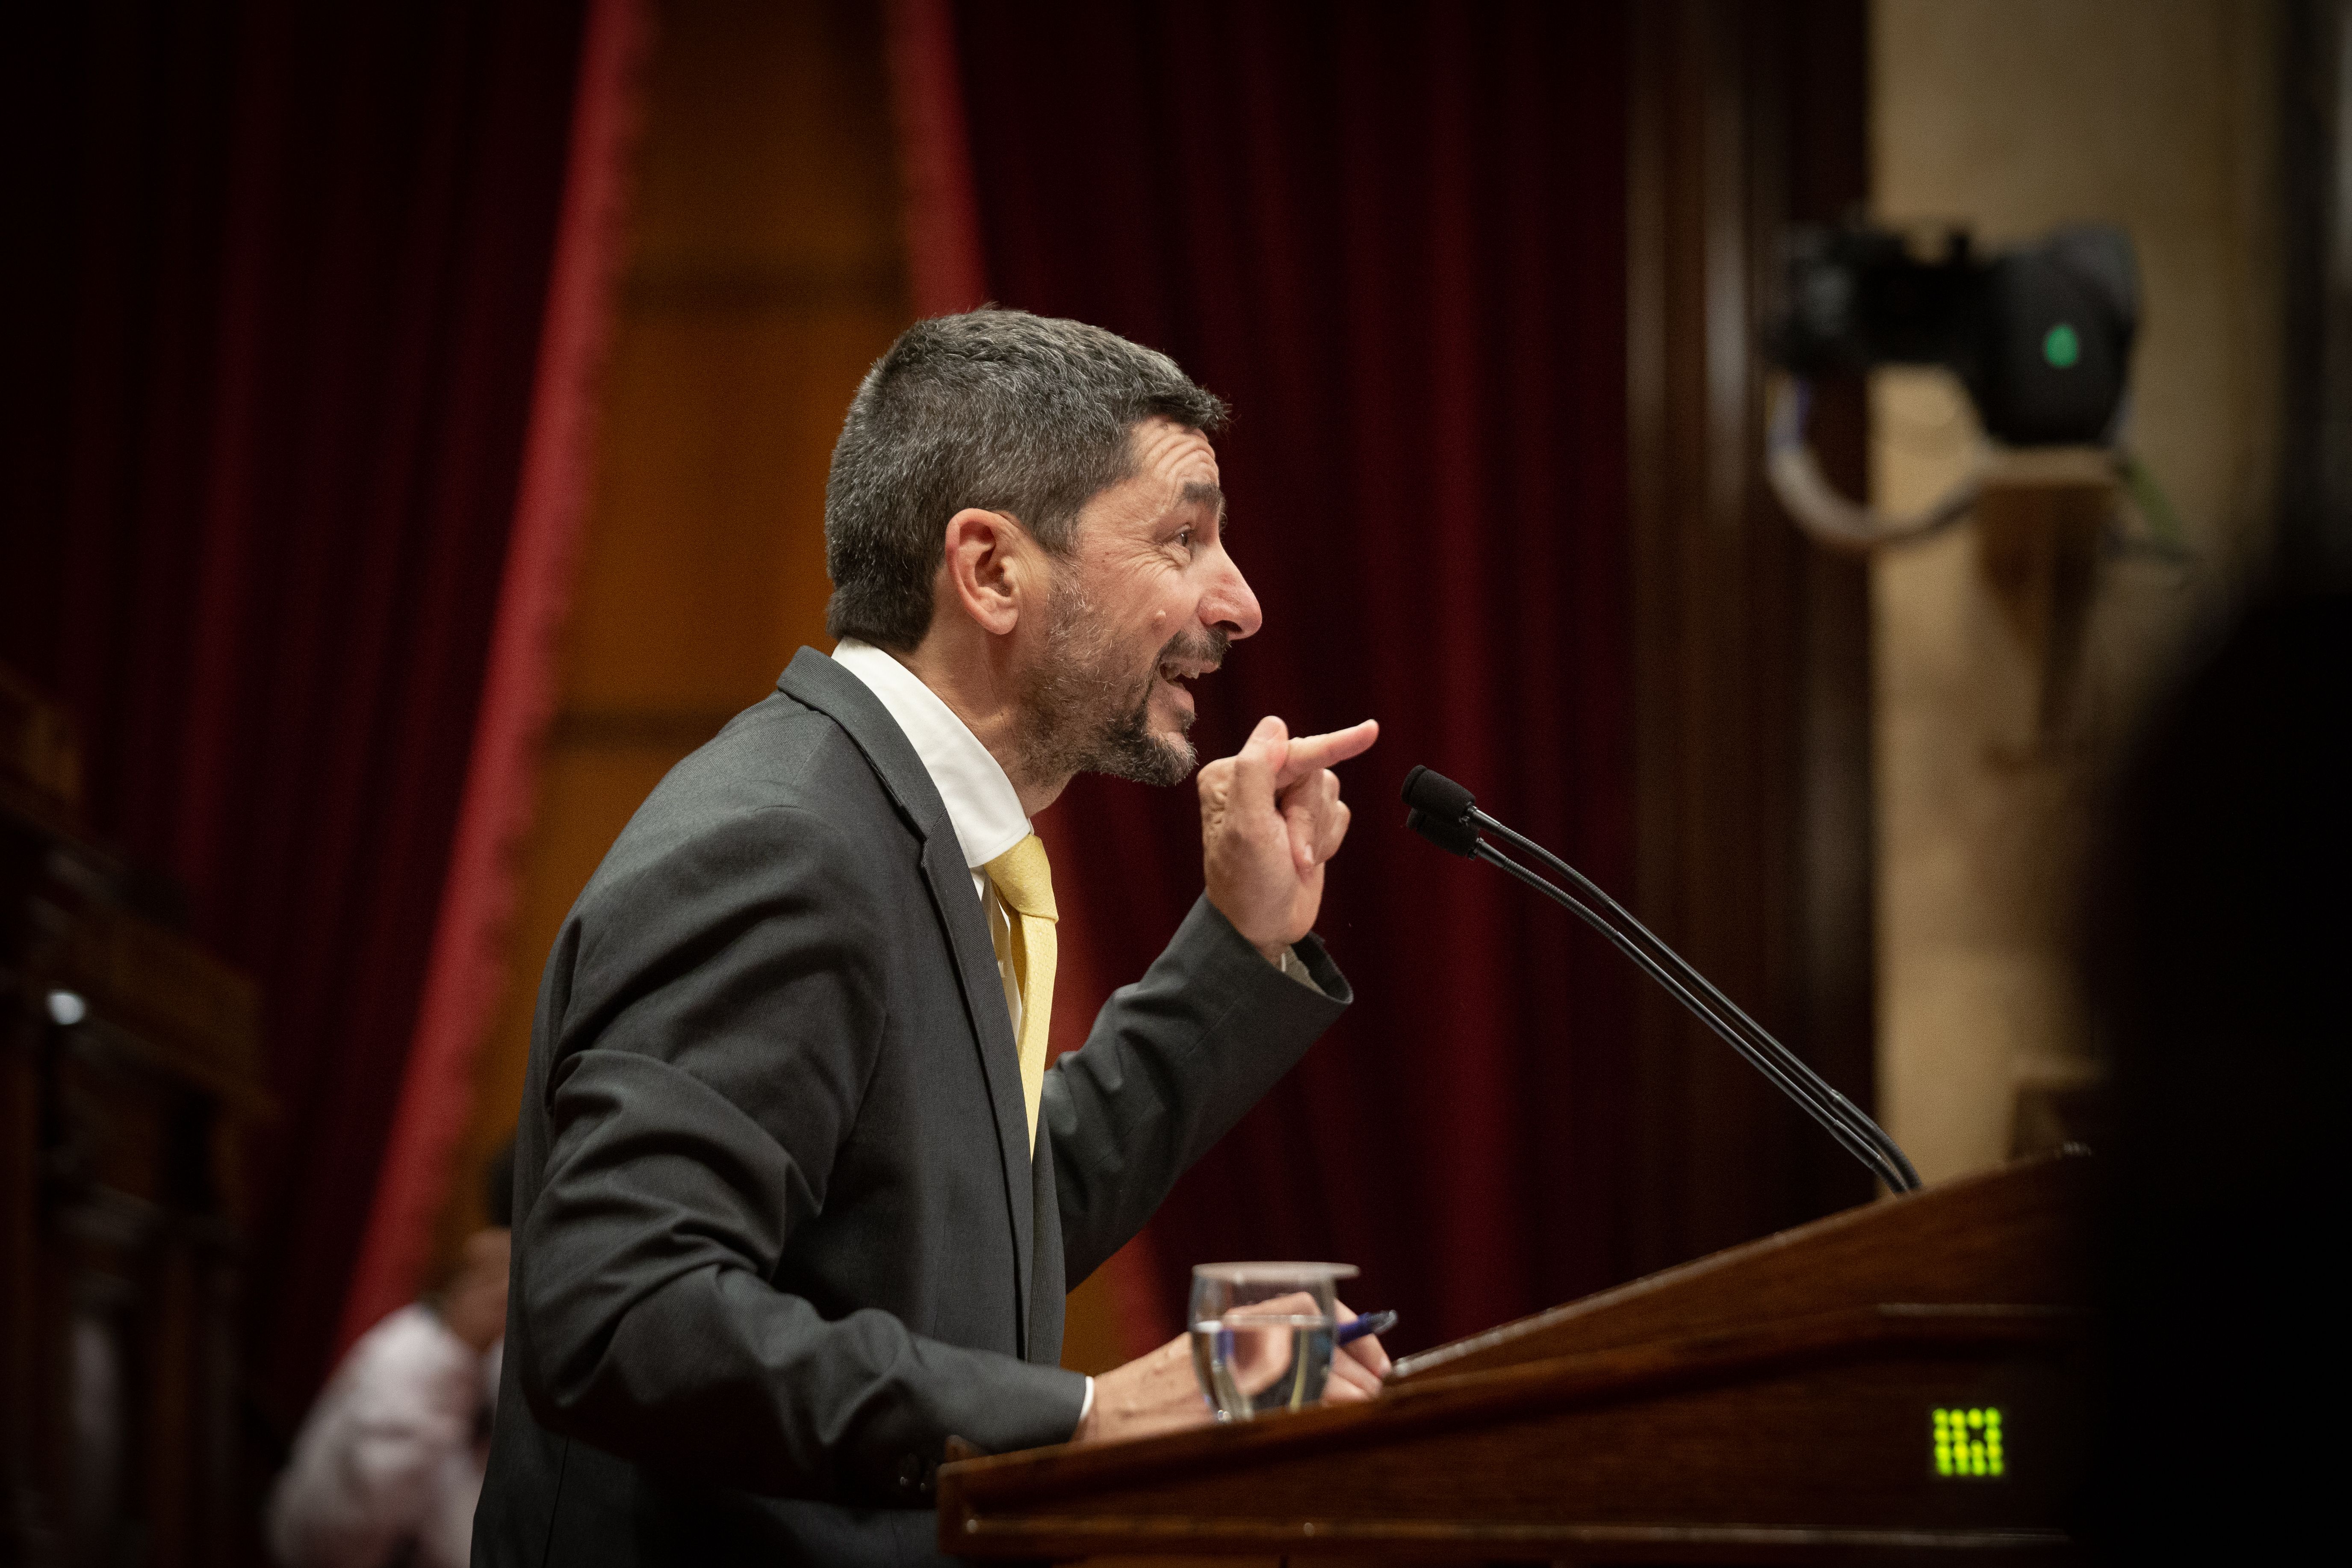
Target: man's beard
{"x": 1084, "y": 711}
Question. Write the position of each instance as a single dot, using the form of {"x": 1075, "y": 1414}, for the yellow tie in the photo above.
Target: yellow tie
{"x": 1024, "y": 882}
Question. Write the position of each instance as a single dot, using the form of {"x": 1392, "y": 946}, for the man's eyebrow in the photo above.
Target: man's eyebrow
{"x": 1200, "y": 492}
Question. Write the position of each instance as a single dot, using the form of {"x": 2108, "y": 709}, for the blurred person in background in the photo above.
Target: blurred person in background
{"x": 2218, "y": 930}
{"x": 388, "y": 1465}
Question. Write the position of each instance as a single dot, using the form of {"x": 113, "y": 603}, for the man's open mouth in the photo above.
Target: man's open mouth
{"x": 1176, "y": 672}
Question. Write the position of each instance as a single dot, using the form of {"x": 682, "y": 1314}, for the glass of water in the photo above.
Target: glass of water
{"x": 1261, "y": 1334}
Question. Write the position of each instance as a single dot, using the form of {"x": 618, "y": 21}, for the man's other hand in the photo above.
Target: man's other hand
{"x": 1271, "y": 816}
{"x": 1159, "y": 1392}
{"x": 1151, "y": 1394}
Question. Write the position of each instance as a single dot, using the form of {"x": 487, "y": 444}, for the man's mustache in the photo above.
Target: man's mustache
{"x": 1207, "y": 648}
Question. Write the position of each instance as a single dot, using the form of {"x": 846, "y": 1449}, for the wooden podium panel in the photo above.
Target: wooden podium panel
{"x": 1814, "y": 1437}
{"x": 1785, "y": 1436}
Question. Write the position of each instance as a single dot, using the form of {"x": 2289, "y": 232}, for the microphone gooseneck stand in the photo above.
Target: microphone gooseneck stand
{"x": 1447, "y": 816}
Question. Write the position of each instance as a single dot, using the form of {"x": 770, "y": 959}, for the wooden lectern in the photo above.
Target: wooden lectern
{"x": 1907, "y": 1381}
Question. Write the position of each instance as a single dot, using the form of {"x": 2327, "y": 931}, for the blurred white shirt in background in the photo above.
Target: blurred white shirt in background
{"x": 390, "y": 1456}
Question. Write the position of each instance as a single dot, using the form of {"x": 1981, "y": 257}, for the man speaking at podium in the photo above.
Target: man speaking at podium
{"x": 797, "y": 1197}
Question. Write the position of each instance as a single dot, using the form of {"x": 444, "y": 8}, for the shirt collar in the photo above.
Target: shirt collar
{"x": 982, "y": 802}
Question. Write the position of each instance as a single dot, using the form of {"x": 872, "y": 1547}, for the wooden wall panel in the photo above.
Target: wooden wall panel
{"x": 1753, "y": 669}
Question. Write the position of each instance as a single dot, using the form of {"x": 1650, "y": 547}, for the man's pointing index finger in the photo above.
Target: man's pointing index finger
{"x": 1312, "y": 753}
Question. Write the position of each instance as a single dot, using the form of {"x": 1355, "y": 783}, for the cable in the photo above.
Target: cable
{"x": 1830, "y": 518}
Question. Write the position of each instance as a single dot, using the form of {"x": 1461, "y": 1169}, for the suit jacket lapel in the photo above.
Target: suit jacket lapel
{"x": 815, "y": 680}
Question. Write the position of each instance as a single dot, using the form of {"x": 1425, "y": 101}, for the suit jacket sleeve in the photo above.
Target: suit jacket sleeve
{"x": 710, "y": 1022}
{"x": 1171, "y": 1063}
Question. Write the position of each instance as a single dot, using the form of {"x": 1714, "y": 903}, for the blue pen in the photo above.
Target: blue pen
{"x": 1356, "y": 1328}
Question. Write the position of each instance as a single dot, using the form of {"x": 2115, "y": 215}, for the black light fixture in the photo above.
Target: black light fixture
{"x": 2040, "y": 336}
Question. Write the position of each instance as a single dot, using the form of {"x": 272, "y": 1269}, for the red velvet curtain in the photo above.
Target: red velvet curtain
{"x": 279, "y": 275}
{"x": 1393, "y": 235}
{"x": 472, "y": 938}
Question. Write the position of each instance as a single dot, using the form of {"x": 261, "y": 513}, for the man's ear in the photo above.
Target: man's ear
{"x": 990, "y": 564}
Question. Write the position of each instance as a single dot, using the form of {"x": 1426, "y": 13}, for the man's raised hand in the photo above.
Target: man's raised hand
{"x": 1271, "y": 816}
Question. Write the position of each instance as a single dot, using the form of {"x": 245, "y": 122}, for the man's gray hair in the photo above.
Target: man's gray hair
{"x": 996, "y": 409}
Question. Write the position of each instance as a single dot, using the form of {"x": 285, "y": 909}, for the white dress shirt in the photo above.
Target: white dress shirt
{"x": 982, "y": 806}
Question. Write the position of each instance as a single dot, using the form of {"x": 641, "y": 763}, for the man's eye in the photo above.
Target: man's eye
{"x": 1184, "y": 538}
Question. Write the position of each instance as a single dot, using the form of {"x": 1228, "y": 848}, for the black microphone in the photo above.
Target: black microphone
{"x": 1440, "y": 812}
{"x": 1434, "y": 795}
{"x": 1447, "y": 816}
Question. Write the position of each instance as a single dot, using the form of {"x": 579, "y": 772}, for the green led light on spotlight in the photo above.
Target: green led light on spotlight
{"x": 1968, "y": 1443}
{"x": 2061, "y": 347}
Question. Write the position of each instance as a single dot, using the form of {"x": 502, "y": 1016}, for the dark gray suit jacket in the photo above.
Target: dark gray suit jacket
{"x": 778, "y": 1232}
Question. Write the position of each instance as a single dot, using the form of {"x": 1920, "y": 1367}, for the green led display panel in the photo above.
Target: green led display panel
{"x": 1968, "y": 1443}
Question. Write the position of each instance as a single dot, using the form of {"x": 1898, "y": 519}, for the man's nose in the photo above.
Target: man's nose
{"x": 1230, "y": 604}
